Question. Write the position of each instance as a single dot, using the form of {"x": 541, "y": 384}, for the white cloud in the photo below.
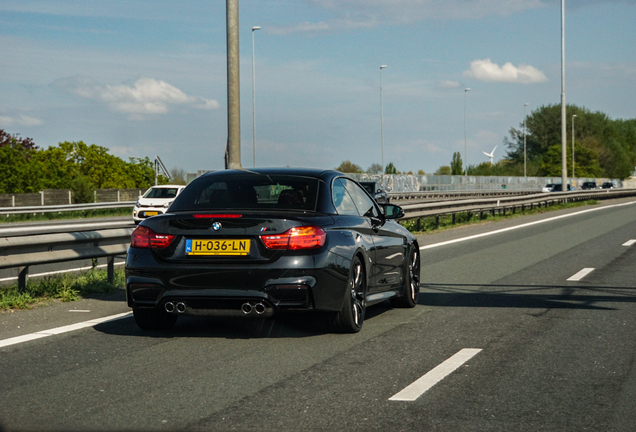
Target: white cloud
{"x": 146, "y": 96}
{"x": 22, "y": 120}
{"x": 486, "y": 70}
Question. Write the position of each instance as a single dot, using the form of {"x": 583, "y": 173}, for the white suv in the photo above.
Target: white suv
{"x": 155, "y": 201}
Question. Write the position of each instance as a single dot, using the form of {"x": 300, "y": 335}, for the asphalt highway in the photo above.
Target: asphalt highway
{"x": 522, "y": 325}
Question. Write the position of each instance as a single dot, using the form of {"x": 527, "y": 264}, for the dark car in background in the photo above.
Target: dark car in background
{"x": 589, "y": 185}
{"x": 558, "y": 188}
{"x": 258, "y": 242}
{"x": 376, "y": 191}
{"x": 608, "y": 185}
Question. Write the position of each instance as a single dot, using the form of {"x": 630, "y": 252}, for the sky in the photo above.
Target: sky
{"x": 148, "y": 77}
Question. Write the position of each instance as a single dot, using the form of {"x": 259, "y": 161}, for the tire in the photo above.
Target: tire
{"x": 412, "y": 281}
{"x": 351, "y": 317}
{"x": 154, "y": 319}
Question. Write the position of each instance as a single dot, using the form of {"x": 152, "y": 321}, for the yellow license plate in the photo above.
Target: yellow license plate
{"x": 217, "y": 247}
{"x": 151, "y": 213}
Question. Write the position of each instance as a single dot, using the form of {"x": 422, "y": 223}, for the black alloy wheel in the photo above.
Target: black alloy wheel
{"x": 412, "y": 282}
{"x": 154, "y": 319}
{"x": 351, "y": 317}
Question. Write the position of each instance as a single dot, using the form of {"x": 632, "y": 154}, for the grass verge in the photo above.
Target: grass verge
{"x": 428, "y": 225}
{"x": 65, "y": 288}
{"x": 84, "y": 214}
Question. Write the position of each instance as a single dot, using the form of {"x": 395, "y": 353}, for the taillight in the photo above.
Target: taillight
{"x": 307, "y": 237}
{"x": 145, "y": 238}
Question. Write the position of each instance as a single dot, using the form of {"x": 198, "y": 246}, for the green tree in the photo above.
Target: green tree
{"x": 456, "y": 164}
{"x": 612, "y": 142}
{"x": 349, "y": 167}
{"x": 390, "y": 169}
{"x": 585, "y": 160}
{"x": 57, "y": 171}
{"x": 444, "y": 170}
{"x": 19, "y": 172}
{"x": 82, "y": 189}
{"x": 141, "y": 172}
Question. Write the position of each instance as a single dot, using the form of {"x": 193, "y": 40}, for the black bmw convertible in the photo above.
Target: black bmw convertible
{"x": 255, "y": 242}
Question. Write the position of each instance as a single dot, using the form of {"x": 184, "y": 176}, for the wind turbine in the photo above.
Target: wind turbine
{"x": 491, "y": 154}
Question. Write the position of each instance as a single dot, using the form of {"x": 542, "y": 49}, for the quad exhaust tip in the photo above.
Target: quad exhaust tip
{"x": 258, "y": 308}
{"x": 179, "y": 307}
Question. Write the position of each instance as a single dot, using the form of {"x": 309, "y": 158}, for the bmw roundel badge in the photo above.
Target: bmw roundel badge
{"x": 216, "y": 226}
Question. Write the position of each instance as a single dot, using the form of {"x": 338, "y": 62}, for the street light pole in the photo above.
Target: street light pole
{"x": 574, "y": 115}
{"x": 524, "y": 139}
{"x": 382, "y": 117}
{"x": 564, "y": 166}
{"x": 233, "y": 149}
{"x": 466, "y": 90}
{"x": 254, "y": 97}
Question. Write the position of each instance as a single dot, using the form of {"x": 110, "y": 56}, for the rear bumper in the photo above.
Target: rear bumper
{"x": 291, "y": 283}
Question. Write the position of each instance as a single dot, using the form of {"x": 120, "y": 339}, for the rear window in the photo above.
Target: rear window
{"x": 249, "y": 191}
{"x": 161, "y": 193}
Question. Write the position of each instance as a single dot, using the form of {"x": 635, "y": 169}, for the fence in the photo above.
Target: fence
{"x": 430, "y": 182}
{"x": 52, "y": 197}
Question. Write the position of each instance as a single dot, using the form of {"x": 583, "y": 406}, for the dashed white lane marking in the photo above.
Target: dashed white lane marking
{"x": 629, "y": 242}
{"x": 580, "y": 275}
{"x": 521, "y": 226}
{"x": 435, "y": 375}
{"x": 60, "y": 330}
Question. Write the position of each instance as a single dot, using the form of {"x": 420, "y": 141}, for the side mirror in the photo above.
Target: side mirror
{"x": 391, "y": 211}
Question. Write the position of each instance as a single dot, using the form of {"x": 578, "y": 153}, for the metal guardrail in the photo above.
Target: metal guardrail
{"x": 25, "y": 251}
{"x": 64, "y": 208}
{"x": 503, "y": 204}
{"x": 440, "y": 195}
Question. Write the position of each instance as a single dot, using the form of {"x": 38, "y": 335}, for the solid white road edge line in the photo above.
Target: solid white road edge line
{"x": 60, "y": 330}
{"x": 435, "y": 375}
{"x": 580, "y": 275}
{"x": 629, "y": 242}
{"x": 520, "y": 226}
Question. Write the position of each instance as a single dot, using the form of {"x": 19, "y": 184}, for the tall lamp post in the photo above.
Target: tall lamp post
{"x": 466, "y": 90}
{"x": 254, "y": 97}
{"x": 574, "y": 115}
{"x": 233, "y": 149}
{"x": 524, "y": 139}
{"x": 564, "y": 166}
{"x": 382, "y": 117}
